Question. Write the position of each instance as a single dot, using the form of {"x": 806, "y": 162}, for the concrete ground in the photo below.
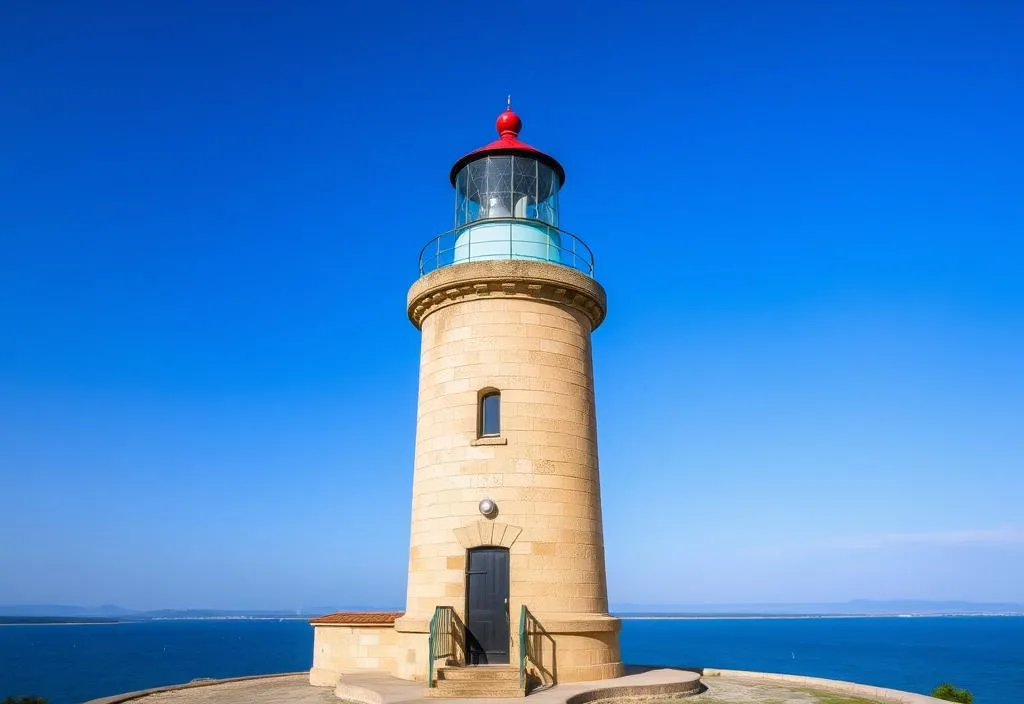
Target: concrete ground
{"x": 288, "y": 689}
{"x": 382, "y": 689}
{"x": 729, "y": 691}
{"x": 295, "y": 689}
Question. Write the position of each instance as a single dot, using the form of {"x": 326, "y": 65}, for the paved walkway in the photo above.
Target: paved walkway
{"x": 723, "y": 687}
{"x": 289, "y": 689}
{"x": 372, "y": 688}
{"x": 382, "y": 689}
{"x": 730, "y": 691}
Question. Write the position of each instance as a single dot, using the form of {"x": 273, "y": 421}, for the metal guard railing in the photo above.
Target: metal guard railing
{"x": 441, "y": 642}
{"x": 559, "y": 247}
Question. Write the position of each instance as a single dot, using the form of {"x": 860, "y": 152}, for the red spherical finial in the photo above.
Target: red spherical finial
{"x": 508, "y": 123}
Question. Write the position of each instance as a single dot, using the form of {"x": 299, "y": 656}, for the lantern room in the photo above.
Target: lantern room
{"x": 506, "y": 207}
{"x": 507, "y": 179}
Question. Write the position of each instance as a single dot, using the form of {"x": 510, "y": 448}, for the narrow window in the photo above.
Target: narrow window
{"x": 490, "y": 414}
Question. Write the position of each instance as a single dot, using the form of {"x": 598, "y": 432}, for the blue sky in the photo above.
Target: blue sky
{"x": 808, "y": 218}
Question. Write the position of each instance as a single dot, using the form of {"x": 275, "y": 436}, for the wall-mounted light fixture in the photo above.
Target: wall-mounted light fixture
{"x": 488, "y": 508}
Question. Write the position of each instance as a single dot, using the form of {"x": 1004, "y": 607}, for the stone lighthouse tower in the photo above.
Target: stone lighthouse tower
{"x": 506, "y": 559}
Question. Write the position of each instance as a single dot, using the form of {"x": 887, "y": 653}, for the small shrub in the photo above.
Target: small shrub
{"x": 24, "y": 700}
{"x": 952, "y": 694}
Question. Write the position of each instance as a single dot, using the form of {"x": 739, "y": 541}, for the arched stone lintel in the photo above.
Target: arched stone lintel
{"x": 487, "y": 533}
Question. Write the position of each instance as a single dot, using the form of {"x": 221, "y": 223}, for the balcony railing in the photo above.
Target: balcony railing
{"x": 507, "y": 238}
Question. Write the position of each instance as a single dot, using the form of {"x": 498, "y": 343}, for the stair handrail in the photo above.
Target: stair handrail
{"x": 441, "y": 642}
{"x": 532, "y": 639}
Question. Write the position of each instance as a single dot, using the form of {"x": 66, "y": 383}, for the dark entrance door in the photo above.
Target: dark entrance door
{"x": 487, "y": 624}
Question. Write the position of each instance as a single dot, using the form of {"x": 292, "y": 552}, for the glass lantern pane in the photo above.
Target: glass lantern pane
{"x": 506, "y": 187}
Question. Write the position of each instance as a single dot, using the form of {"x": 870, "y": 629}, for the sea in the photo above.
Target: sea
{"x": 69, "y": 664}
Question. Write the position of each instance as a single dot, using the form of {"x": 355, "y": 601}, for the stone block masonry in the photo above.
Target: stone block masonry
{"x": 344, "y": 643}
{"x": 521, "y": 328}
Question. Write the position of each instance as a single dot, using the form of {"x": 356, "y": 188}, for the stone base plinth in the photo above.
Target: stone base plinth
{"x": 412, "y": 639}
{"x": 560, "y": 648}
{"x": 564, "y": 648}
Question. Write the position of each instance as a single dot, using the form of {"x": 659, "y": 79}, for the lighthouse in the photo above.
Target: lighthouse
{"x": 506, "y": 558}
{"x": 506, "y": 584}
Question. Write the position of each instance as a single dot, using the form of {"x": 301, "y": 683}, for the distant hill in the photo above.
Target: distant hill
{"x": 112, "y": 612}
{"x": 220, "y": 613}
{"x": 857, "y": 607}
{"x": 57, "y": 610}
{"x": 945, "y": 607}
{"x": 47, "y": 620}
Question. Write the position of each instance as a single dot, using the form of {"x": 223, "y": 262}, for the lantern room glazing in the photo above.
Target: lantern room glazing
{"x": 506, "y": 186}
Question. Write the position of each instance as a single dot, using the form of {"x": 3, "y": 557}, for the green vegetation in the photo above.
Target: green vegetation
{"x": 952, "y": 694}
{"x": 24, "y": 700}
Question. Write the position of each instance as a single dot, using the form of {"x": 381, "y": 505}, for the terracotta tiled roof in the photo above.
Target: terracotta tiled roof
{"x": 359, "y": 618}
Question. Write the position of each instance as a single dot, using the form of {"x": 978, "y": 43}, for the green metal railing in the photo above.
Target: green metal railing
{"x": 537, "y": 647}
{"x": 441, "y": 643}
{"x": 523, "y": 612}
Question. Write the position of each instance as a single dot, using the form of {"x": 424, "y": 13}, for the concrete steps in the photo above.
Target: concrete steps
{"x": 477, "y": 681}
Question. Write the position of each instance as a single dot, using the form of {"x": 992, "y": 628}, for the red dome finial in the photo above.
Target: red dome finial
{"x": 508, "y": 123}
{"x": 506, "y": 144}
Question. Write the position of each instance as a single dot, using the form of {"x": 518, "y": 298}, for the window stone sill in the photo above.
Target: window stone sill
{"x": 490, "y": 440}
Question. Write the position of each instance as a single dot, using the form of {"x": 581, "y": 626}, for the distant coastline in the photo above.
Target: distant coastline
{"x": 107, "y": 621}
{"x": 726, "y": 617}
{"x": 67, "y": 615}
{"x": 54, "y": 621}
{"x": 86, "y": 621}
